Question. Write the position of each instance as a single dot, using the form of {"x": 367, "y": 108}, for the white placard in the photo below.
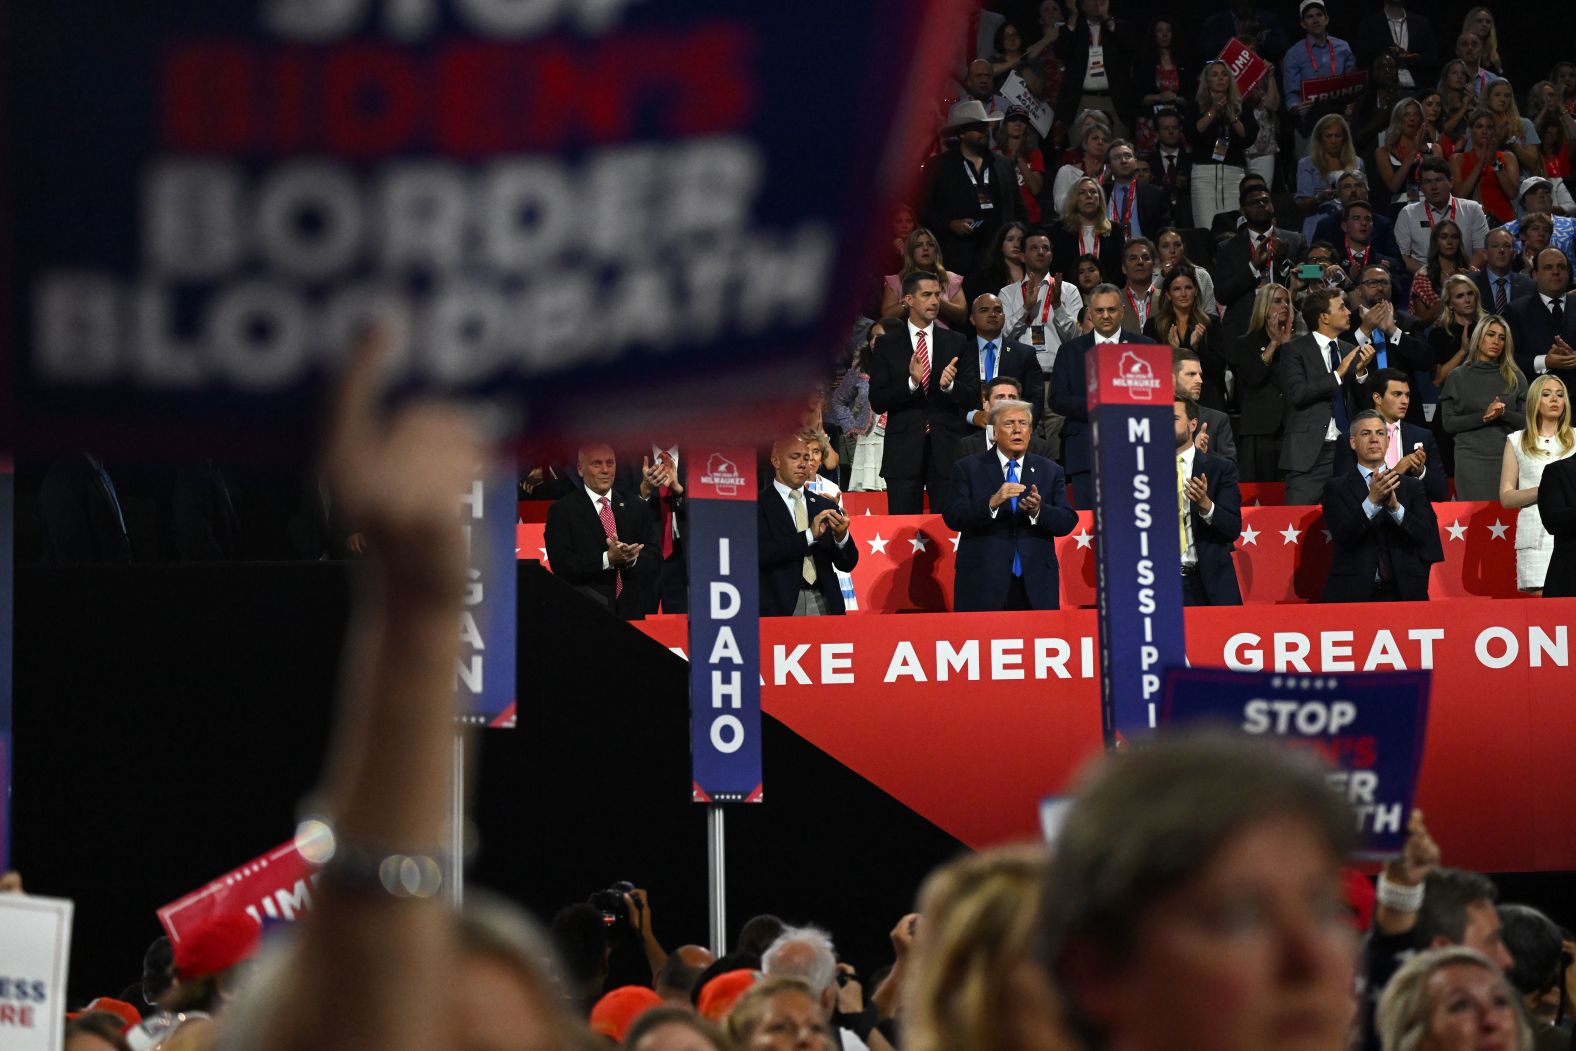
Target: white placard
{"x": 35, "y": 952}
{"x": 1017, "y": 93}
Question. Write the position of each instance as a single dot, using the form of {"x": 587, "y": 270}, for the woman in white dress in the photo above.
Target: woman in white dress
{"x": 1548, "y": 437}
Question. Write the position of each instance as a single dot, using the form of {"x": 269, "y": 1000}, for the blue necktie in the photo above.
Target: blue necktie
{"x": 1379, "y": 348}
{"x": 990, "y": 362}
{"x": 1012, "y": 476}
{"x": 1337, "y": 396}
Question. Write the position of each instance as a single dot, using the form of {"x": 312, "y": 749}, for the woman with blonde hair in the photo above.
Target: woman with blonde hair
{"x": 1546, "y": 438}
{"x": 1482, "y": 402}
{"x": 1480, "y": 22}
{"x": 921, "y": 251}
{"x": 1396, "y": 159}
{"x": 1451, "y": 999}
{"x": 1086, "y": 229}
{"x": 1220, "y": 130}
{"x": 1273, "y": 325}
{"x": 1510, "y": 127}
{"x": 1330, "y": 152}
{"x": 778, "y": 1014}
{"x": 974, "y": 983}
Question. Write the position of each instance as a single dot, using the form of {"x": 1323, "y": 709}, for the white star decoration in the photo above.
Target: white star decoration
{"x": 918, "y": 542}
{"x": 955, "y": 537}
{"x": 1327, "y": 536}
{"x": 1250, "y": 536}
{"x": 1498, "y": 529}
{"x": 1289, "y": 535}
{"x": 543, "y": 550}
{"x": 877, "y": 545}
{"x": 1456, "y": 530}
{"x": 867, "y": 512}
{"x": 1083, "y": 537}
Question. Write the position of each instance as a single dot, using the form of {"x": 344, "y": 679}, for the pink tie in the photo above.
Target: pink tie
{"x": 605, "y": 512}
{"x": 1392, "y": 453}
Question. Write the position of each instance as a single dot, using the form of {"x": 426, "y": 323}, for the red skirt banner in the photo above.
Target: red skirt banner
{"x": 971, "y": 719}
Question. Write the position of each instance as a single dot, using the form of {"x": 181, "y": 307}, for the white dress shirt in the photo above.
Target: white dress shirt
{"x": 1003, "y": 459}
{"x": 809, "y": 532}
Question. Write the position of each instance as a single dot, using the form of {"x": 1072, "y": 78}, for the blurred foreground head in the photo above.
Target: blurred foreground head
{"x": 975, "y": 983}
{"x": 1194, "y": 901}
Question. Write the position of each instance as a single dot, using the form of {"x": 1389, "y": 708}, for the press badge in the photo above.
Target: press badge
{"x": 1222, "y": 144}
{"x": 1037, "y": 335}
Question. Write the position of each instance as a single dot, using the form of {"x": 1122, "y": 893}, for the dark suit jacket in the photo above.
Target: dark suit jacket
{"x": 984, "y": 563}
{"x": 576, "y": 543}
{"x": 1532, "y": 329}
{"x": 80, "y": 524}
{"x": 1214, "y": 540}
{"x": 1521, "y": 287}
{"x": 1262, "y": 407}
{"x": 1070, "y": 398}
{"x": 1073, "y": 47}
{"x": 975, "y": 444}
{"x": 1557, "y": 505}
{"x": 207, "y": 528}
{"x": 1064, "y": 255}
{"x": 783, "y": 549}
{"x": 1153, "y": 207}
{"x": 1411, "y": 354}
{"x": 1435, "y": 484}
{"x": 1181, "y": 171}
{"x": 1307, "y": 383}
{"x": 1414, "y": 544}
{"x": 903, "y": 454}
{"x": 1373, "y": 39}
{"x": 953, "y": 196}
{"x": 1232, "y": 269}
{"x": 1013, "y": 358}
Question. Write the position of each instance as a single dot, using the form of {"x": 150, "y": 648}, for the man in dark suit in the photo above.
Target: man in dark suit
{"x": 1395, "y": 334}
{"x": 995, "y": 355}
{"x": 1209, "y": 516}
{"x": 1406, "y": 37}
{"x": 1010, "y": 506}
{"x": 1557, "y": 505}
{"x": 914, "y": 379}
{"x": 83, "y": 517}
{"x": 1258, "y": 252}
{"x": 663, "y": 472}
{"x": 1497, "y": 286}
{"x": 1412, "y": 449}
{"x": 973, "y": 192}
{"x": 1000, "y": 389}
{"x": 1139, "y": 209}
{"x": 1069, "y": 393}
{"x": 1382, "y": 526}
{"x": 603, "y": 540}
{"x": 1543, "y": 325}
{"x": 1097, "y": 60}
{"x": 1363, "y": 236}
{"x": 803, "y": 540}
{"x": 1214, "y": 427}
{"x": 1320, "y": 376}
{"x": 1171, "y": 164}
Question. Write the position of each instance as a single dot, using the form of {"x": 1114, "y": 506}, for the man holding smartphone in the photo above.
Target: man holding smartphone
{"x": 1383, "y": 532}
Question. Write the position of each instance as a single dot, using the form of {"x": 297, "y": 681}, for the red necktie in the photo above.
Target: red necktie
{"x": 605, "y": 512}
{"x": 663, "y": 492}
{"x": 924, "y": 360}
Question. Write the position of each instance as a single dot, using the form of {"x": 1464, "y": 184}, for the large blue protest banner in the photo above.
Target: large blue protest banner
{"x": 724, "y": 625}
{"x": 1139, "y": 564}
{"x": 1368, "y": 728}
{"x": 207, "y": 198}
{"x": 484, "y": 676}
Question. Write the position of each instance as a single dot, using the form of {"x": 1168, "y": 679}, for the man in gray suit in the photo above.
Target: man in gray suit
{"x": 1321, "y": 377}
{"x": 1214, "y": 427}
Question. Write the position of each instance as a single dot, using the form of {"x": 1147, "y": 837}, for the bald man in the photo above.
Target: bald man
{"x": 603, "y": 540}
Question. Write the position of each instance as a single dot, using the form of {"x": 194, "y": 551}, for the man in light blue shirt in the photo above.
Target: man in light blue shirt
{"x": 1315, "y": 56}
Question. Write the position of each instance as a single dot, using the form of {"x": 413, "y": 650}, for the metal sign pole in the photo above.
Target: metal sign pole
{"x": 716, "y": 878}
{"x": 456, "y": 873}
